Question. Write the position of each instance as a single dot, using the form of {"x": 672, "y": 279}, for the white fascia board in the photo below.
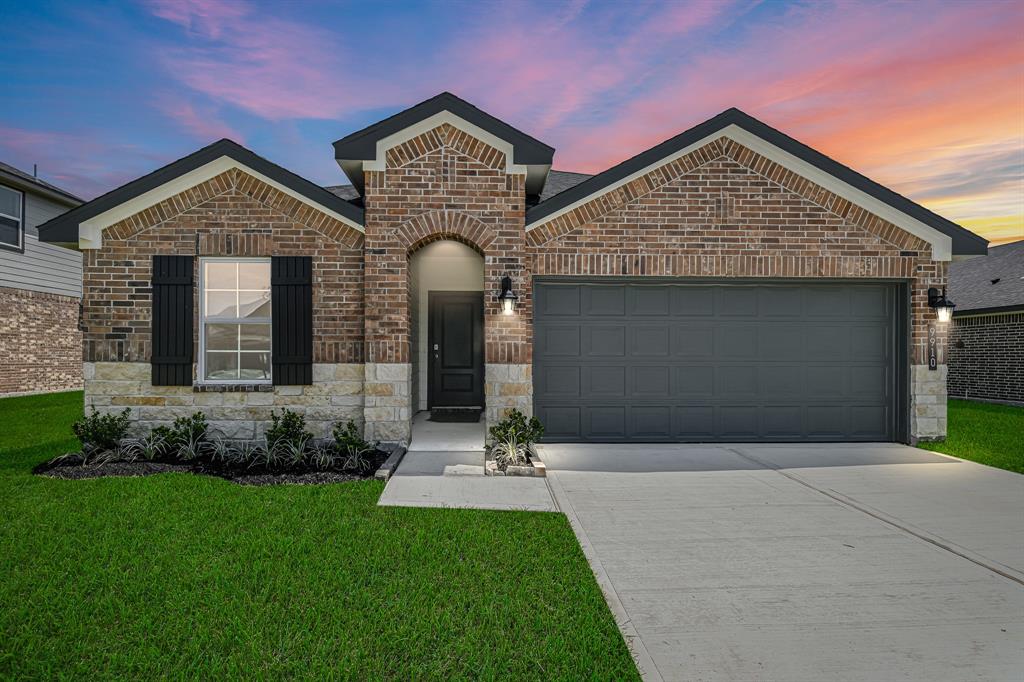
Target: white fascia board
{"x": 942, "y": 244}
{"x": 428, "y": 124}
{"x": 90, "y": 232}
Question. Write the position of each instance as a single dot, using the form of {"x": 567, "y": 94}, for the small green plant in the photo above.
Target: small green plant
{"x": 349, "y": 439}
{"x": 146, "y": 448}
{"x": 353, "y": 448}
{"x": 323, "y": 455}
{"x": 99, "y": 431}
{"x": 287, "y": 431}
{"x": 516, "y": 426}
{"x": 509, "y": 452}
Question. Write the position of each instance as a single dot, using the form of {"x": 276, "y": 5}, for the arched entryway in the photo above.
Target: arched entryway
{"x": 446, "y": 285}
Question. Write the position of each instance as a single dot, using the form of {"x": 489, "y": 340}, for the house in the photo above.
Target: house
{"x": 986, "y": 353}
{"x": 727, "y": 284}
{"x": 40, "y": 290}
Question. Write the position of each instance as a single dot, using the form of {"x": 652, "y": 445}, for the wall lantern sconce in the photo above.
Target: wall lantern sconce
{"x": 943, "y": 306}
{"x": 507, "y": 297}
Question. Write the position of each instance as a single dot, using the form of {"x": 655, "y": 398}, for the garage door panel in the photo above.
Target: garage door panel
{"x": 696, "y": 422}
{"x": 679, "y": 362}
{"x": 603, "y": 301}
{"x": 694, "y": 340}
{"x": 694, "y": 381}
{"x": 604, "y": 381}
{"x": 561, "y": 422}
{"x": 560, "y": 341}
{"x": 601, "y": 341}
{"x": 559, "y": 382}
{"x": 736, "y": 301}
{"x": 736, "y": 342}
{"x": 650, "y": 301}
{"x": 783, "y": 422}
{"x": 650, "y": 341}
{"x": 780, "y": 342}
{"x": 650, "y": 381}
{"x": 781, "y": 302}
{"x": 605, "y": 421}
{"x": 651, "y": 422}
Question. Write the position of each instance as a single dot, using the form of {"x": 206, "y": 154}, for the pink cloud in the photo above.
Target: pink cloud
{"x": 200, "y": 122}
{"x": 78, "y": 163}
{"x": 271, "y": 67}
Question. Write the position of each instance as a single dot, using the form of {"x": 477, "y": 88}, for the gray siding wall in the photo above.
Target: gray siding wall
{"x": 43, "y": 267}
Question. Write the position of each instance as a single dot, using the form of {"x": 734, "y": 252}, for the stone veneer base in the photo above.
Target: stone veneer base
{"x": 388, "y": 411}
{"x": 507, "y": 387}
{"x": 927, "y": 403}
{"x": 336, "y": 395}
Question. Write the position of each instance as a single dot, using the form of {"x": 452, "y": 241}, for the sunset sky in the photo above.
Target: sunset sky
{"x": 925, "y": 97}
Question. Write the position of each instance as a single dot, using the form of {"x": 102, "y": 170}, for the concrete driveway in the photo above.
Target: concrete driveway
{"x": 802, "y": 562}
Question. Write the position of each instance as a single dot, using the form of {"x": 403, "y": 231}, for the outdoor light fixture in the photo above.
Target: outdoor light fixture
{"x": 507, "y": 297}
{"x": 943, "y": 306}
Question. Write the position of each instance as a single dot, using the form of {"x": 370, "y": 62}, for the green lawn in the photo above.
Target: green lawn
{"x": 185, "y": 576}
{"x": 985, "y": 433}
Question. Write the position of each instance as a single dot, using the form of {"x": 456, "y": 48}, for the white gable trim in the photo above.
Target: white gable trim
{"x": 428, "y": 124}
{"x": 90, "y": 232}
{"x": 942, "y": 244}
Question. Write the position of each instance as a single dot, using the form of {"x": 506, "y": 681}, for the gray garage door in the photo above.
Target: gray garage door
{"x": 618, "y": 361}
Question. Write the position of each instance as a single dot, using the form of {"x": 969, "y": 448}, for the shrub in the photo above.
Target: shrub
{"x": 101, "y": 431}
{"x": 517, "y": 427}
{"x": 354, "y": 449}
{"x": 287, "y": 432}
{"x": 323, "y": 455}
{"x": 146, "y": 448}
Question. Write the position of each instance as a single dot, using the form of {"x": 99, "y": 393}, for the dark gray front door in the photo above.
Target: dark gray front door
{"x": 662, "y": 362}
{"x": 456, "y": 349}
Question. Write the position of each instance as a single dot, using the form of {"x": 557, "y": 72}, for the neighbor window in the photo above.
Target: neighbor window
{"x": 235, "y": 329}
{"x": 12, "y": 223}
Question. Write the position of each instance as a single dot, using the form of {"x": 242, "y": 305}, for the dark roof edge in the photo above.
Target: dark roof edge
{"x": 64, "y": 228}
{"x": 964, "y": 241}
{"x": 361, "y": 145}
{"x": 40, "y": 186}
{"x": 989, "y": 311}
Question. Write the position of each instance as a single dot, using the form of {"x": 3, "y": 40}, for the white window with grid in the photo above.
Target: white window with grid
{"x": 235, "y": 341}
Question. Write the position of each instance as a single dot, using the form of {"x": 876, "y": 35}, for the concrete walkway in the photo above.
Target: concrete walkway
{"x": 802, "y": 562}
{"x": 444, "y": 467}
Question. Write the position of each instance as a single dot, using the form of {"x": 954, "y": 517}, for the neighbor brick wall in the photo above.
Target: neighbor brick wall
{"x": 986, "y": 357}
{"x": 724, "y": 211}
{"x": 40, "y": 344}
{"x": 232, "y": 214}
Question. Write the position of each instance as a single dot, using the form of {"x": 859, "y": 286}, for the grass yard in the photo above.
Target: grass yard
{"x": 186, "y": 576}
{"x": 985, "y": 433}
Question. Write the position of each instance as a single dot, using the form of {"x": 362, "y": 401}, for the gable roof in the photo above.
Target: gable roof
{"x": 964, "y": 242}
{"x": 989, "y": 284}
{"x": 23, "y": 179}
{"x": 355, "y": 150}
{"x": 65, "y": 228}
{"x": 362, "y": 144}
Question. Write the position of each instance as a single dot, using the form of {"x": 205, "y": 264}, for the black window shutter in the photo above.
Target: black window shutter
{"x": 291, "y": 310}
{"x": 172, "y": 321}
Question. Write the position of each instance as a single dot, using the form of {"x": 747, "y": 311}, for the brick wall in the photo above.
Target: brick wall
{"x": 232, "y": 214}
{"x": 724, "y": 211}
{"x": 986, "y": 357}
{"x": 40, "y": 345}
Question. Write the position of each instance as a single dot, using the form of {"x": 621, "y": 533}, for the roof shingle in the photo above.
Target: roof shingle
{"x": 992, "y": 281}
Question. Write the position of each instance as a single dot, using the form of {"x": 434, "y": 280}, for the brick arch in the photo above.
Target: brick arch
{"x": 445, "y": 136}
{"x": 437, "y": 225}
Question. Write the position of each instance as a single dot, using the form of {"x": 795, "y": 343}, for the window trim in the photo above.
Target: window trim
{"x": 20, "y": 246}
{"x": 201, "y": 378}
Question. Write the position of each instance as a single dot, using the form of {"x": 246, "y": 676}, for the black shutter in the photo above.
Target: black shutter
{"x": 172, "y": 321}
{"x": 291, "y": 309}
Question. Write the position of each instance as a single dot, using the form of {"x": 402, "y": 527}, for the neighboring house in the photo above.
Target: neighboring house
{"x": 986, "y": 345}
{"x": 40, "y": 290}
{"x": 727, "y": 284}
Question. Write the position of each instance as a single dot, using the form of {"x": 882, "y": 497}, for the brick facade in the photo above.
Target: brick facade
{"x": 40, "y": 344}
{"x": 719, "y": 211}
{"x": 986, "y": 357}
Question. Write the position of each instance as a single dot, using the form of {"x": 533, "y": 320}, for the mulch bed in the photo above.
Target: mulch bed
{"x": 72, "y": 469}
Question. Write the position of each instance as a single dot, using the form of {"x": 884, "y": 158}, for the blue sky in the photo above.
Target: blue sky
{"x": 925, "y": 97}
